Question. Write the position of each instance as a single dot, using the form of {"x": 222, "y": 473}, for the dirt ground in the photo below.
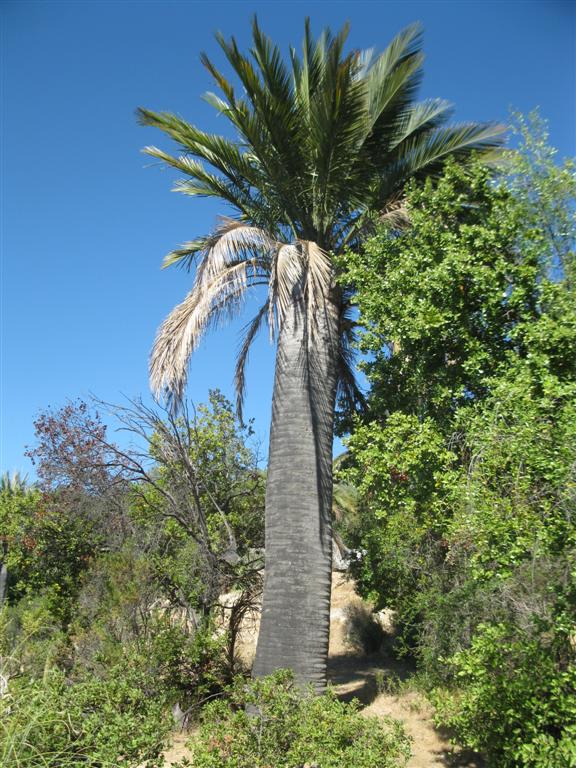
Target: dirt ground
{"x": 357, "y": 675}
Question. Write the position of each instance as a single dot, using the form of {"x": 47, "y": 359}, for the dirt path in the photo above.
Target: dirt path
{"x": 356, "y": 675}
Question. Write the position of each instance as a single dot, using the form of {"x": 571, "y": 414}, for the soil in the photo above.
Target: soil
{"x": 355, "y": 674}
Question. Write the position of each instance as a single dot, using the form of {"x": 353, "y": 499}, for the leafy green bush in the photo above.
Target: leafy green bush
{"x": 514, "y": 701}
{"x": 189, "y": 667}
{"x": 31, "y": 640}
{"x": 100, "y": 723}
{"x": 108, "y": 698}
{"x": 289, "y": 729}
{"x": 122, "y": 613}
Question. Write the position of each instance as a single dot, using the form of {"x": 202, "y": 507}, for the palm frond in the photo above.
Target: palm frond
{"x": 267, "y": 119}
{"x": 242, "y": 175}
{"x": 186, "y": 255}
{"x": 286, "y": 280}
{"x": 179, "y": 335}
{"x": 345, "y": 500}
{"x": 319, "y": 282}
{"x": 395, "y": 75}
{"x": 395, "y": 214}
{"x": 220, "y": 152}
{"x": 425, "y": 155}
{"x": 421, "y": 117}
{"x": 251, "y": 331}
{"x": 233, "y": 241}
{"x": 275, "y": 74}
{"x": 235, "y": 257}
{"x": 349, "y": 393}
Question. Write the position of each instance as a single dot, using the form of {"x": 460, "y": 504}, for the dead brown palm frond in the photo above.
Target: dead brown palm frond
{"x": 317, "y": 288}
{"x": 231, "y": 241}
{"x": 320, "y": 270}
{"x": 319, "y": 273}
{"x": 287, "y": 275}
{"x": 234, "y": 258}
{"x": 396, "y": 214}
{"x": 179, "y": 335}
{"x": 239, "y": 375}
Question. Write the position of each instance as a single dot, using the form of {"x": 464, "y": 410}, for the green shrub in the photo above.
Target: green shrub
{"x": 291, "y": 729}
{"x": 53, "y": 723}
{"x": 123, "y": 613}
{"x": 189, "y": 667}
{"x": 31, "y": 640}
{"x": 515, "y": 701}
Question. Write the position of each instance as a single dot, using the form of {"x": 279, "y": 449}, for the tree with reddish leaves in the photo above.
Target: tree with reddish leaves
{"x": 50, "y": 533}
{"x": 78, "y": 472}
{"x": 70, "y": 449}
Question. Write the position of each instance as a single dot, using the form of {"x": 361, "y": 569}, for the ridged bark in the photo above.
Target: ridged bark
{"x": 295, "y": 624}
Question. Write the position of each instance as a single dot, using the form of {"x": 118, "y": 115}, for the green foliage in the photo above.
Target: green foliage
{"x": 320, "y": 141}
{"x": 516, "y": 700}
{"x": 465, "y": 460}
{"x": 99, "y": 723}
{"x": 191, "y": 667}
{"x": 211, "y": 471}
{"x": 31, "y": 639}
{"x": 115, "y": 567}
{"x": 115, "y": 605}
{"x": 58, "y": 709}
{"x": 232, "y": 481}
{"x": 123, "y": 613}
{"x": 471, "y": 284}
{"x": 47, "y": 547}
{"x": 289, "y": 729}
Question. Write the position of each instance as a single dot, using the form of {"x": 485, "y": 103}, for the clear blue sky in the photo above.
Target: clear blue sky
{"x": 86, "y": 219}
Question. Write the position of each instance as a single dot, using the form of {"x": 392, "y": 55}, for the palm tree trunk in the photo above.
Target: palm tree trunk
{"x": 295, "y": 624}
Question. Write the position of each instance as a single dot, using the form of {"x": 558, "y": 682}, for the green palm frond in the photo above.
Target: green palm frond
{"x": 13, "y": 482}
{"x": 420, "y": 118}
{"x": 186, "y": 255}
{"x": 392, "y": 79}
{"x": 426, "y": 154}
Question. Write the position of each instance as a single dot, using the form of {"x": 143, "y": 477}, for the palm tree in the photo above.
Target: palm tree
{"x": 325, "y": 144}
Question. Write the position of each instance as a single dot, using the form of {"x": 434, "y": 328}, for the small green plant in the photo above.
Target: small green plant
{"x": 285, "y": 727}
{"x": 387, "y": 682}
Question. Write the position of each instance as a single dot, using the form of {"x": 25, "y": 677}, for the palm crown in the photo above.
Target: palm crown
{"x": 324, "y": 142}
